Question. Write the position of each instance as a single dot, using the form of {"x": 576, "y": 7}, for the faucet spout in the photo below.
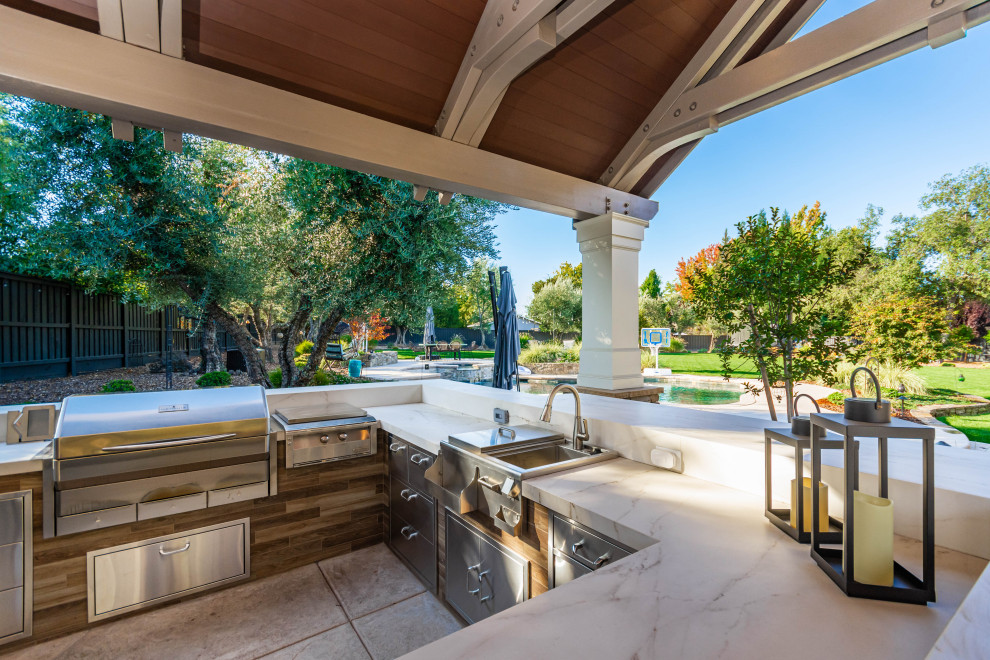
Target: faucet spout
{"x": 580, "y": 433}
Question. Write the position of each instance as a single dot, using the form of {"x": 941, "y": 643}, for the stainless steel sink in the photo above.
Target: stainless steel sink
{"x": 532, "y": 461}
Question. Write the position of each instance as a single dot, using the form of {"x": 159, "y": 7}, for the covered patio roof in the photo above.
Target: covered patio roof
{"x": 578, "y": 107}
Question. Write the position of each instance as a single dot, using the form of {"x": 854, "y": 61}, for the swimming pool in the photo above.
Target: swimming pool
{"x": 692, "y": 392}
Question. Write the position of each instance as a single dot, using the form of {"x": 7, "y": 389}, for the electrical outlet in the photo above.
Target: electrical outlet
{"x": 501, "y": 416}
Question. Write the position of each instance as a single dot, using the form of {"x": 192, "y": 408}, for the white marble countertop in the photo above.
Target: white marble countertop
{"x": 425, "y": 425}
{"x": 721, "y": 582}
{"x": 23, "y": 457}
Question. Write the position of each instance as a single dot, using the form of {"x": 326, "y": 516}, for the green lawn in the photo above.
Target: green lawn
{"x": 409, "y": 354}
{"x": 706, "y": 364}
{"x": 947, "y": 378}
{"x": 976, "y": 427}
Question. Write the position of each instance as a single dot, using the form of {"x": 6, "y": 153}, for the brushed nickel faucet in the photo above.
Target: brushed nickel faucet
{"x": 580, "y": 435}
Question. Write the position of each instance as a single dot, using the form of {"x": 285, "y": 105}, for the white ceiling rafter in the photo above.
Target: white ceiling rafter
{"x": 867, "y": 37}
{"x": 511, "y": 36}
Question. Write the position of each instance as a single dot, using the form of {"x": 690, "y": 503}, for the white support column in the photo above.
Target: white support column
{"x": 610, "y": 247}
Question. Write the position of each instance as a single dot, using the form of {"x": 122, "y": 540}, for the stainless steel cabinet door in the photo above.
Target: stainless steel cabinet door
{"x": 503, "y": 578}
{"x": 463, "y": 590}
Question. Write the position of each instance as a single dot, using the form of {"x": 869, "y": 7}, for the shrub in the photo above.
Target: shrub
{"x": 214, "y": 379}
{"x": 948, "y": 364}
{"x": 539, "y": 352}
{"x": 320, "y": 378}
{"x": 119, "y": 386}
{"x": 676, "y": 346}
{"x": 372, "y": 344}
{"x": 524, "y": 340}
{"x": 304, "y": 348}
{"x": 345, "y": 340}
{"x": 889, "y": 374}
{"x": 457, "y": 339}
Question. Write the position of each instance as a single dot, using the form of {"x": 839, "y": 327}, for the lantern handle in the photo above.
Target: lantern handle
{"x": 810, "y": 398}
{"x": 876, "y": 384}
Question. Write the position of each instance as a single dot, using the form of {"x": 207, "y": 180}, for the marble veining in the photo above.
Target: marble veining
{"x": 718, "y": 581}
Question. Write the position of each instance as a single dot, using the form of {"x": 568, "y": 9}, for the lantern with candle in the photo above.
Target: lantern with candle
{"x": 795, "y": 521}
{"x": 864, "y": 565}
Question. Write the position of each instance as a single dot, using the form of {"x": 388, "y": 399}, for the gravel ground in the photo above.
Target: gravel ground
{"x": 55, "y": 389}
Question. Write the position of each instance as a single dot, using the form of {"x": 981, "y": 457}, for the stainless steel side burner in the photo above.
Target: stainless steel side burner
{"x": 326, "y": 432}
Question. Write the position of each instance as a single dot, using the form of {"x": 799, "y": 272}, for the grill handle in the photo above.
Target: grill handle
{"x": 169, "y": 443}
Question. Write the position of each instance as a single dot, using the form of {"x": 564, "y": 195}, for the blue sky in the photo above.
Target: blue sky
{"x": 878, "y": 137}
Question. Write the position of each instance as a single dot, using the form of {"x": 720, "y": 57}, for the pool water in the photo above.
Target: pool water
{"x": 693, "y": 393}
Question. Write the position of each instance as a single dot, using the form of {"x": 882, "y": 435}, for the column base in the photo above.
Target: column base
{"x": 618, "y": 382}
{"x": 647, "y": 393}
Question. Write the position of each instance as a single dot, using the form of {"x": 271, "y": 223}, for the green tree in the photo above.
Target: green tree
{"x": 771, "y": 280}
{"x": 653, "y": 312}
{"x": 907, "y": 330}
{"x": 557, "y": 308}
{"x": 474, "y": 296}
{"x": 651, "y": 286}
{"x": 573, "y": 274}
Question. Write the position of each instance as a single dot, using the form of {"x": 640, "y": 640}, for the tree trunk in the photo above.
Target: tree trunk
{"x": 400, "y": 335}
{"x": 325, "y": 330}
{"x": 244, "y": 341}
{"x": 762, "y": 365}
{"x": 287, "y": 347}
{"x": 212, "y": 357}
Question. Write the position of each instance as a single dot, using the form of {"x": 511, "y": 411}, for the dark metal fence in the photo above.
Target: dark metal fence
{"x": 50, "y": 329}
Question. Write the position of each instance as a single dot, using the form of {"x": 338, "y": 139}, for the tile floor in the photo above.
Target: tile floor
{"x": 359, "y": 606}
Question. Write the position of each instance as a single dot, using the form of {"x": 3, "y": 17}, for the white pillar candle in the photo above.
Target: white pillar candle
{"x": 873, "y": 539}
{"x": 822, "y": 505}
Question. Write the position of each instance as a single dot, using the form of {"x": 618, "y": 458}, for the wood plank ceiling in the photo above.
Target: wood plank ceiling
{"x": 397, "y": 59}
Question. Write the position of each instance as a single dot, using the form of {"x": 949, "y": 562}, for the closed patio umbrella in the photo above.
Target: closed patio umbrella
{"x": 429, "y": 332}
{"x": 507, "y": 337}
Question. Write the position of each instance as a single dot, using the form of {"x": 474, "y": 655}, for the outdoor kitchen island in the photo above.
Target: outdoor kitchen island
{"x": 714, "y": 578}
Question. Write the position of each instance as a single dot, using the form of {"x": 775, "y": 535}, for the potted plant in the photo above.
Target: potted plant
{"x": 456, "y": 342}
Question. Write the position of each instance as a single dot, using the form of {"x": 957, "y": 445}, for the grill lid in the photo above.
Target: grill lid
{"x": 319, "y": 413}
{"x": 88, "y": 423}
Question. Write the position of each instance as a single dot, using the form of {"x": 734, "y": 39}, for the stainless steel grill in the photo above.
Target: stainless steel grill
{"x": 326, "y": 432}
{"x": 125, "y": 457}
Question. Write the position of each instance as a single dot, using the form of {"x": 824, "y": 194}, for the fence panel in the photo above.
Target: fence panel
{"x": 34, "y": 328}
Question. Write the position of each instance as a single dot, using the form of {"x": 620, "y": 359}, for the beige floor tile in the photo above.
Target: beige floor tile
{"x": 405, "y": 626}
{"x": 370, "y": 579}
{"x": 245, "y": 621}
{"x": 341, "y": 643}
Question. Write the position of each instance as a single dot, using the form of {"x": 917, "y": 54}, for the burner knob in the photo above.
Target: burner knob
{"x": 324, "y": 439}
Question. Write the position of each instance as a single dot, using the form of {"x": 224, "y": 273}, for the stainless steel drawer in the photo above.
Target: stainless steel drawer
{"x": 419, "y": 462}
{"x": 172, "y": 505}
{"x": 237, "y": 494}
{"x": 415, "y": 507}
{"x": 419, "y": 551}
{"x": 136, "y": 575}
{"x": 84, "y": 522}
{"x": 398, "y": 458}
{"x": 566, "y": 569}
{"x": 584, "y": 545}
{"x": 11, "y": 613}
{"x": 11, "y": 520}
{"x": 11, "y": 566}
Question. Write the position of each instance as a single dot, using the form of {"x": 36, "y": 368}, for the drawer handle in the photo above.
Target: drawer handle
{"x": 342, "y": 436}
{"x": 410, "y": 536}
{"x": 165, "y": 553}
{"x": 396, "y": 447}
{"x": 419, "y": 459}
{"x": 408, "y": 495}
{"x": 577, "y": 546}
{"x": 603, "y": 559}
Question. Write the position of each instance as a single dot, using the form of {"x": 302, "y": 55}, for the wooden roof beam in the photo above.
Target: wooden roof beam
{"x": 876, "y": 33}
{"x": 56, "y": 63}
{"x": 500, "y": 52}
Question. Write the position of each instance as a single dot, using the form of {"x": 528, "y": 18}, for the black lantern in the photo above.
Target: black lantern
{"x": 795, "y": 521}
{"x": 864, "y": 567}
